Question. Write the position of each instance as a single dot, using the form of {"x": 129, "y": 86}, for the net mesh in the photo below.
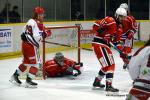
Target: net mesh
{"x": 65, "y": 40}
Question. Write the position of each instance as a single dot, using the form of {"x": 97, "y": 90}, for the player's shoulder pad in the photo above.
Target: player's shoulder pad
{"x": 50, "y": 62}
{"x": 31, "y": 22}
{"x": 110, "y": 20}
{"x": 97, "y": 22}
{"x": 130, "y": 19}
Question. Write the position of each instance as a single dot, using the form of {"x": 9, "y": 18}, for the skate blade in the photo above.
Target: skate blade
{"x": 97, "y": 88}
{"x": 112, "y": 92}
{"x": 72, "y": 77}
{"x": 14, "y": 82}
{"x": 30, "y": 86}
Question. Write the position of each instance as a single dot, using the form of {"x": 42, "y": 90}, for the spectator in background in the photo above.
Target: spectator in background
{"x": 4, "y": 15}
{"x": 77, "y": 16}
{"x": 14, "y": 15}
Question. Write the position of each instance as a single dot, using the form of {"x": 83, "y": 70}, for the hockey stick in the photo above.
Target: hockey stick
{"x": 120, "y": 52}
{"x": 115, "y": 47}
{"x": 66, "y": 45}
{"x": 57, "y": 43}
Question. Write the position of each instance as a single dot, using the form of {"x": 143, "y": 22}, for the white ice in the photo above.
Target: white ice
{"x": 65, "y": 88}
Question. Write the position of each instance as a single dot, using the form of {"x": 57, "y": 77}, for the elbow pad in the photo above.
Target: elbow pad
{"x": 100, "y": 30}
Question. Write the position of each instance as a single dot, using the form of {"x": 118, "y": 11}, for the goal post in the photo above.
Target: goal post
{"x": 64, "y": 39}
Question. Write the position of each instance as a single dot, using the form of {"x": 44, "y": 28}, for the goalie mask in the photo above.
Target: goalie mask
{"x": 59, "y": 58}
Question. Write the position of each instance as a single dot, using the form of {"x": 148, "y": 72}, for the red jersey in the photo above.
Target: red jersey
{"x": 105, "y": 29}
{"x": 129, "y": 27}
{"x": 53, "y": 69}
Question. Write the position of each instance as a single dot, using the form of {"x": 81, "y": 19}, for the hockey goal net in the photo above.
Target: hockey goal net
{"x": 64, "y": 39}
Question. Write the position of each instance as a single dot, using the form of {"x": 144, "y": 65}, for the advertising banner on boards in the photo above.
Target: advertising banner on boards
{"x": 6, "y": 39}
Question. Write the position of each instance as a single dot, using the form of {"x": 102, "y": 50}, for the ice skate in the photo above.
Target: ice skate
{"x": 98, "y": 84}
{"x": 15, "y": 80}
{"x": 30, "y": 84}
{"x": 109, "y": 88}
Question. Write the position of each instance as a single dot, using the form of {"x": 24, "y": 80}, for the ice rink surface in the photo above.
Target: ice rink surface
{"x": 65, "y": 88}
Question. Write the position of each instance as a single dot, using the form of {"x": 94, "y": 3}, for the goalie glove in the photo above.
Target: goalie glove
{"x": 74, "y": 72}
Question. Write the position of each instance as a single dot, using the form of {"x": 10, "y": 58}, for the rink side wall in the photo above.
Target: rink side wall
{"x": 10, "y": 33}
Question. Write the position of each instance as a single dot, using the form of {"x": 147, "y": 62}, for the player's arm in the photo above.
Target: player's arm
{"x": 51, "y": 69}
{"x": 130, "y": 33}
{"x": 73, "y": 67}
{"x": 133, "y": 27}
{"x": 116, "y": 38}
{"x": 99, "y": 27}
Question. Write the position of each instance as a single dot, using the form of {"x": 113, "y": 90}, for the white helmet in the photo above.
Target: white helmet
{"x": 124, "y": 5}
{"x": 121, "y": 11}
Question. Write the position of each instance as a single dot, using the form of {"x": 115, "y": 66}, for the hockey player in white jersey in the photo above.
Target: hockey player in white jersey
{"x": 139, "y": 69}
{"x": 31, "y": 36}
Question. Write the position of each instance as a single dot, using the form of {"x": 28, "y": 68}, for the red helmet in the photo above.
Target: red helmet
{"x": 39, "y": 10}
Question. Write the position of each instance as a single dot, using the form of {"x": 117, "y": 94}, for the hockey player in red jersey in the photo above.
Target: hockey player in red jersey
{"x": 106, "y": 30}
{"x": 129, "y": 29}
{"x": 61, "y": 66}
{"x": 31, "y": 36}
{"x": 139, "y": 69}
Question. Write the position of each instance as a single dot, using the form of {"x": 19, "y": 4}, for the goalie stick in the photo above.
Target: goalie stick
{"x": 66, "y": 45}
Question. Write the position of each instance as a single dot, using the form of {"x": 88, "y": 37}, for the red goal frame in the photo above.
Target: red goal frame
{"x": 78, "y": 45}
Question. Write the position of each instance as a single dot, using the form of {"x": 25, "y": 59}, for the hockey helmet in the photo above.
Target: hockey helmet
{"x": 121, "y": 12}
{"x": 39, "y": 10}
{"x": 124, "y": 5}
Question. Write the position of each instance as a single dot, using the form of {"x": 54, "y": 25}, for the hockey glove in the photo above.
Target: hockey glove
{"x": 130, "y": 35}
{"x": 123, "y": 55}
{"x": 46, "y": 33}
{"x": 23, "y": 37}
{"x": 74, "y": 72}
{"x": 80, "y": 64}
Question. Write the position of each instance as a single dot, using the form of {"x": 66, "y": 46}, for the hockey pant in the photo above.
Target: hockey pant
{"x": 105, "y": 57}
{"x": 31, "y": 58}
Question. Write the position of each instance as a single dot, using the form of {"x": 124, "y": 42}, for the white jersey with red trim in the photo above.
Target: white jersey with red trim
{"x": 36, "y": 28}
{"x": 139, "y": 69}
{"x": 139, "y": 66}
